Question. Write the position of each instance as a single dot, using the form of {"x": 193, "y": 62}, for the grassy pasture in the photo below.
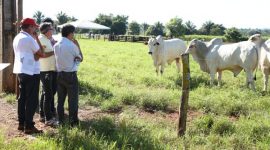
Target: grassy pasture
{"x": 119, "y": 78}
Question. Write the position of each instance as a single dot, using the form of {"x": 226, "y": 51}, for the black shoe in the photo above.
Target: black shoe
{"x": 32, "y": 130}
{"x": 42, "y": 119}
{"x": 74, "y": 123}
{"x": 21, "y": 127}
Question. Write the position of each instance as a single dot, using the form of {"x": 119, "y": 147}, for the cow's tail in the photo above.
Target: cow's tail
{"x": 257, "y": 54}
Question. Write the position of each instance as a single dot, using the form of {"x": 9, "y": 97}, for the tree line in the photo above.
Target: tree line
{"x": 176, "y": 27}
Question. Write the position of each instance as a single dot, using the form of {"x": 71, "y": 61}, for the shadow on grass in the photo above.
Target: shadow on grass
{"x": 85, "y": 88}
{"x": 124, "y": 135}
{"x": 195, "y": 82}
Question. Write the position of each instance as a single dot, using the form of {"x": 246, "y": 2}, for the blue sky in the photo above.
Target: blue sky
{"x": 230, "y": 13}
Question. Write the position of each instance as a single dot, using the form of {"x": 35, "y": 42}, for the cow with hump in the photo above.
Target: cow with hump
{"x": 165, "y": 51}
{"x": 216, "y": 57}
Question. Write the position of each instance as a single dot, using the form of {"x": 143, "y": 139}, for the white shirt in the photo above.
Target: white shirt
{"x": 25, "y": 47}
{"x": 65, "y": 52}
{"x": 47, "y": 64}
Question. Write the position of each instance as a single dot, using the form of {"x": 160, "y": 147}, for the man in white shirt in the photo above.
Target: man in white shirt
{"x": 68, "y": 54}
{"x": 26, "y": 66}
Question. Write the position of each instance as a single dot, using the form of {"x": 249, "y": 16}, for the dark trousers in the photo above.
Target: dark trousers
{"x": 28, "y": 98}
{"x": 67, "y": 85}
{"x": 49, "y": 84}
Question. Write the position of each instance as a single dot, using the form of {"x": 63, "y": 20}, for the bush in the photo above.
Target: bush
{"x": 223, "y": 127}
{"x": 259, "y": 132}
{"x": 201, "y": 37}
{"x": 237, "y": 109}
{"x": 203, "y": 124}
{"x": 233, "y": 35}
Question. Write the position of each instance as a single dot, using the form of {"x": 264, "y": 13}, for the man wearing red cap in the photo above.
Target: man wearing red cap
{"x": 26, "y": 66}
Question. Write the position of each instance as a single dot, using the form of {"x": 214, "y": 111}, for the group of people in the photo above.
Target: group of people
{"x": 40, "y": 58}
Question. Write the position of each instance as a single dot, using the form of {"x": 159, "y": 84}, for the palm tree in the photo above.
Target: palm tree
{"x": 38, "y": 16}
{"x": 144, "y": 27}
{"x": 190, "y": 28}
{"x": 206, "y": 27}
{"x": 62, "y": 18}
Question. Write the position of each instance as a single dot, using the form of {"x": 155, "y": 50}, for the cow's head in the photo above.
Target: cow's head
{"x": 197, "y": 48}
{"x": 153, "y": 45}
{"x": 192, "y": 46}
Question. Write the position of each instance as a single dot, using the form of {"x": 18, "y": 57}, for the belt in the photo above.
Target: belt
{"x": 63, "y": 72}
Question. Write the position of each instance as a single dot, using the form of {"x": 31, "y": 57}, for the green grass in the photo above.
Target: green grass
{"x": 9, "y": 97}
{"x": 119, "y": 77}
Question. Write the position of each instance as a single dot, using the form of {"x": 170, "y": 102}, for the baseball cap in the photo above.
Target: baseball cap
{"x": 29, "y": 21}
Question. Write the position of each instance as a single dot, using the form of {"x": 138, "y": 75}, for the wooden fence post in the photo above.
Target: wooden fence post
{"x": 9, "y": 16}
{"x": 185, "y": 95}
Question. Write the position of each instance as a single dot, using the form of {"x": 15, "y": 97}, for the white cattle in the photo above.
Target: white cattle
{"x": 216, "y": 57}
{"x": 165, "y": 51}
{"x": 265, "y": 62}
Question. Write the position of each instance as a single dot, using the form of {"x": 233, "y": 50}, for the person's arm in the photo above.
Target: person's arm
{"x": 77, "y": 44}
{"x": 40, "y": 52}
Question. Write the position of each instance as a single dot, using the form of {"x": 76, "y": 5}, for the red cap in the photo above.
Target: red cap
{"x": 29, "y": 21}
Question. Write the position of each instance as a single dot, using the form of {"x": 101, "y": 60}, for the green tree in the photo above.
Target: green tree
{"x": 119, "y": 25}
{"x": 38, "y": 16}
{"x": 144, "y": 27}
{"x": 233, "y": 35}
{"x": 175, "y": 27}
{"x": 134, "y": 28}
{"x": 206, "y": 27}
{"x": 210, "y": 28}
{"x": 190, "y": 28}
{"x": 105, "y": 20}
{"x": 62, "y": 18}
{"x": 156, "y": 29}
{"x": 217, "y": 29}
{"x": 254, "y": 31}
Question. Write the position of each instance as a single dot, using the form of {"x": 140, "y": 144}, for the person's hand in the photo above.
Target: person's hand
{"x": 36, "y": 57}
{"x": 77, "y": 59}
{"x": 35, "y": 34}
{"x": 75, "y": 42}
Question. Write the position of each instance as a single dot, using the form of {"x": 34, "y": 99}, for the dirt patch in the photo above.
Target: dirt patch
{"x": 9, "y": 120}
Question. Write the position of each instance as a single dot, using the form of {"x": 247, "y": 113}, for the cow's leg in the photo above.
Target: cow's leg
{"x": 219, "y": 77}
{"x": 250, "y": 79}
{"x": 212, "y": 77}
{"x": 265, "y": 77}
{"x": 157, "y": 69}
{"x": 177, "y": 64}
{"x": 162, "y": 68}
